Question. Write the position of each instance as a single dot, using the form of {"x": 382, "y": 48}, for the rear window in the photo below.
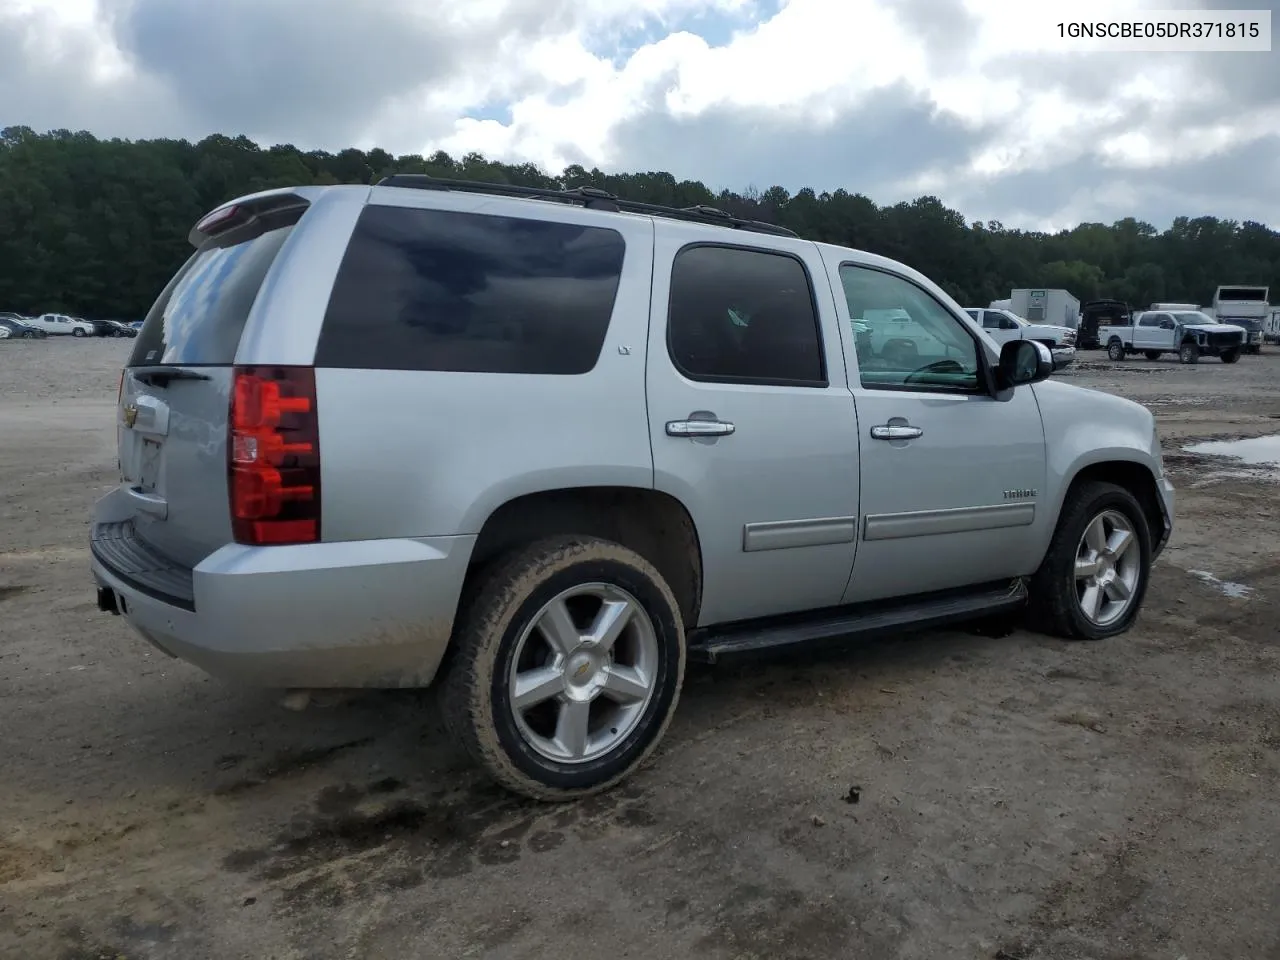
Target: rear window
{"x": 442, "y": 290}
{"x": 198, "y": 318}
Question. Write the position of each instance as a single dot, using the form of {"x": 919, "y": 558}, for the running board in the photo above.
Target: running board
{"x": 709, "y": 644}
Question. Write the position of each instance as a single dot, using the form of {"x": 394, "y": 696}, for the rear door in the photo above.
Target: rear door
{"x": 751, "y": 422}
{"x": 175, "y": 390}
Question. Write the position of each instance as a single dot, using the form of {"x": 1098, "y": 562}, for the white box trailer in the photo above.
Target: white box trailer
{"x": 1245, "y": 306}
{"x": 1273, "y": 327}
{"x": 1042, "y": 305}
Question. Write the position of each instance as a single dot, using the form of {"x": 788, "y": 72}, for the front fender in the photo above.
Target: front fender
{"x": 1084, "y": 428}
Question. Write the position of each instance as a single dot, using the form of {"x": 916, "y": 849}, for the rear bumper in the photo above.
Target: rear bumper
{"x": 368, "y": 613}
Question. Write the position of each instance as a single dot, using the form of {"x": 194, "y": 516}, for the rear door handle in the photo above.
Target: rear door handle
{"x": 895, "y": 432}
{"x": 699, "y": 428}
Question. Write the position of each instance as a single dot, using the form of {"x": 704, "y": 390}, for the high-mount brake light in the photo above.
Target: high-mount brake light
{"x": 273, "y": 456}
{"x": 218, "y": 219}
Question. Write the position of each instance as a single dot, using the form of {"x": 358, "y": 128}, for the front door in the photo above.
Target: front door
{"x": 952, "y": 478}
{"x": 751, "y": 421}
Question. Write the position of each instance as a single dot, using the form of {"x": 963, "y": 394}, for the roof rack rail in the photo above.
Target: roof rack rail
{"x": 590, "y": 197}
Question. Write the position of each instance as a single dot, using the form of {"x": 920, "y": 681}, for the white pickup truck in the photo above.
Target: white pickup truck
{"x": 1005, "y": 325}
{"x": 1188, "y": 333}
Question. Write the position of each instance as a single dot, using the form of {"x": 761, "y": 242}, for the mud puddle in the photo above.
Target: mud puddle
{"x": 1244, "y": 458}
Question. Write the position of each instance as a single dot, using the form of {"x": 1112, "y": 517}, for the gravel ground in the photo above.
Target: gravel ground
{"x": 945, "y": 795}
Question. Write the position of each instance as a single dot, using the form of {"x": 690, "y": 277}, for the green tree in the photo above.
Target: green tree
{"x": 96, "y": 227}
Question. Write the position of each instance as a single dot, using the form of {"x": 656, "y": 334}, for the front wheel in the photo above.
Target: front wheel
{"x": 1115, "y": 350}
{"x": 1188, "y": 353}
{"x": 77, "y": 332}
{"x": 1094, "y": 575}
{"x": 569, "y": 661}
{"x": 1231, "y": 356}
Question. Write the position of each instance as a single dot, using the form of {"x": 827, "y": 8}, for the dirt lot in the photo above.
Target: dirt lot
{"x": 1015, "y": 797}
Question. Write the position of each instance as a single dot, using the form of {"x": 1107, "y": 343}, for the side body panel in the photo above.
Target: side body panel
{"x": 415, "y": 454}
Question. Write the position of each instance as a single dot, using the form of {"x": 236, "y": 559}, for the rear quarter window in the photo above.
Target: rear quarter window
{"x": 198, "y": 318}
{"x": 448, "y": 291}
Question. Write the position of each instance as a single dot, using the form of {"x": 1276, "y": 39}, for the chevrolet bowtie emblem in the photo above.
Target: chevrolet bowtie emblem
{"x": 130, "y": 415}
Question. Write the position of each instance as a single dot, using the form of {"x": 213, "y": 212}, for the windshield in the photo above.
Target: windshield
{"x": 1194, "y": 317}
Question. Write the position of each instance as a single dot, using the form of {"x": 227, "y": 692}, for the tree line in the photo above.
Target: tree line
{"x": 95, "y": 227}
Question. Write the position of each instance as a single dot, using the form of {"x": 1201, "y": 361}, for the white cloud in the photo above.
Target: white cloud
{"x": 559, "y": 81}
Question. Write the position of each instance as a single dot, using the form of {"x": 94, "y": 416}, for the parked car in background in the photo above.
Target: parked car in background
{"x": 1005, "y": 325}
{"x": 658, "y": 439}
{"x": 14, "y": 327}
{"x": 1096, "y": 313}
{"x": 118, "y": 328}
{"x": 61, "y": 325}
{"x": 1188, "y": 333}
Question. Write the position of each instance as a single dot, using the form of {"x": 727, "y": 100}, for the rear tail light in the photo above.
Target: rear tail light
{"x": 273, "y": 456}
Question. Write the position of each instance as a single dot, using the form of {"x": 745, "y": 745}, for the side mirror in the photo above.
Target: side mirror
{"x": 1023, "y": 362}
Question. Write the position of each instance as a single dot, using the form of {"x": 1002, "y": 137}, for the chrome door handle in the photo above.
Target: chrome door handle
{"x": 699, "y": 428}
{"x": 896, "y": 432}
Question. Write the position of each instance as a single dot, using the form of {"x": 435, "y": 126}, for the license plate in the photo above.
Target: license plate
{"x": 148, "y": 465}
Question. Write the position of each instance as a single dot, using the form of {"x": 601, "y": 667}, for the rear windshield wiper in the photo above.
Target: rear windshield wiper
{"x": 160, "y": 376}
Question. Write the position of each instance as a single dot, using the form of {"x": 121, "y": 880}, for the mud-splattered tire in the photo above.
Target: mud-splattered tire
{"x": 1188, "y": 353}
{"x": 1059, "y": 591}
{"x": 510, "y": 646}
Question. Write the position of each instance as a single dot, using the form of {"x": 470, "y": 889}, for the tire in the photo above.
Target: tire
{"x": 77, "y": 332}
{"x": 1115, "y": 350}
{"x": 1057, "y": 599}
{"x": 1151, "y": 354}
{"x": 1231, "y": 356}
{"x": 522, "y": 750}
{"x": 1188, "y": 353}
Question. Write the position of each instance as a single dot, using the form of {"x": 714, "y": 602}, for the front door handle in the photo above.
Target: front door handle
{"x": 895, "y": 432}
{"x": 699, "y": 428}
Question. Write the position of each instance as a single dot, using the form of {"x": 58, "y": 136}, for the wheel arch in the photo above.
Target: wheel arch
{"x": 654, "y": 524}
{"x": 1124, "y": 471}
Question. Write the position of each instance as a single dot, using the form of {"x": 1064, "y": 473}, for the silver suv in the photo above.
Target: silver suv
{"x": 545, "y": 446}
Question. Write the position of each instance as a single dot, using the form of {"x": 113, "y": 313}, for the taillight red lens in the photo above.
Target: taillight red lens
{"x": 273, "y": 456}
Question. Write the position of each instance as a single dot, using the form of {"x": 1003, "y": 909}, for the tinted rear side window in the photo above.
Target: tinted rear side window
{"x": 199, "y": 317}
{"x": 743, "y": 316}
{"x": 442, "y": 290}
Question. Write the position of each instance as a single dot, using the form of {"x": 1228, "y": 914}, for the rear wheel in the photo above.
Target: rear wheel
{"x": 1151, "y": 354}
{"x": 1231, "y": 356}
{"x": 1115, "y": 350}
{"x": 1094, "y": 575}
{"x": 1189, "y": 353}
{"x": 569, "y": 661}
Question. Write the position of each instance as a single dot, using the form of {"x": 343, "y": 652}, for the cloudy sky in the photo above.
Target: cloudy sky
{"x": 971, "y": 100}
